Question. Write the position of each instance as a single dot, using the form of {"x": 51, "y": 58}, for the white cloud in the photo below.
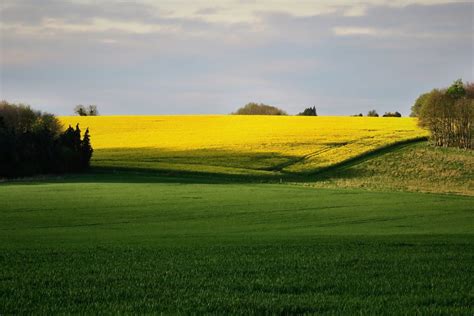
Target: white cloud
{"x": 232, "y": 11}
{"x": 350, "y": 31}
{"x": 53, "y": 26}
{"x": 250, "y": 11}
{"x": 400, "y": 33}
{"x": 356, "y": 11}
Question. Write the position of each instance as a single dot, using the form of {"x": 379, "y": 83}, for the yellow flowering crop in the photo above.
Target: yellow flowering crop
{"x": 238, "y": 144}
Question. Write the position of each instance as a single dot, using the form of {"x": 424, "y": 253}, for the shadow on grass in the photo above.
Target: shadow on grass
{"x": 342, "y": 169}
{"x": 142, "y": 175}
{"x": 130, "y": 175}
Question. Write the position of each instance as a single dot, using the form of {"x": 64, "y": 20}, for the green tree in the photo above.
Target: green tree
{"x": 86, "y": 150}
{"x": 372, "y": 113}
{"x": 33, "y": 142}
{"x": 259, "y": 109}
{"x": 456, "y": 90}
{"x": 416, "y": 108}
{"x": 80, "y": 110}
{"x": 311, "y": 111}
{"x": 92, "y": 110}
{"x": 449, "y": 116}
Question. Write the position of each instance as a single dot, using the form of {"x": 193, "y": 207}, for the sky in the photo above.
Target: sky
{"x": 211, "y": 57}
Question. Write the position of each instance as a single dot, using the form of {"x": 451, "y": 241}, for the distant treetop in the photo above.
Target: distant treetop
{"x": 311, "y": 111}
{"x": 259, "y": 109}
{"x": 392, "y": 114}
{"x": 372, "y": 113}
{"x": 90, "y": 110}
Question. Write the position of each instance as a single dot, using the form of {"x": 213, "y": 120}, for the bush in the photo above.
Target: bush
{"x": 392, "y": 114}
{"x": 373, "y": 113}
{"x": 259, "y": 109}
{"x": 32, "y": 142}
{"x": 311, "y": 111}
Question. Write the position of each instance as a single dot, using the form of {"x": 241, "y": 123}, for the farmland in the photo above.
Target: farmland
{"x": 130, "y": 243}
{"x": 268, "y": 157}
{"x": 177, "y": 216}
{"x": 248, "y": 145}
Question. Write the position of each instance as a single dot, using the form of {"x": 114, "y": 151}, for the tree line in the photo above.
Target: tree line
{"x": 33, "y": 142}
{"x": 448, "y": 114}
{"x": 373, "y": 113}
{"x": 264, "y": 109}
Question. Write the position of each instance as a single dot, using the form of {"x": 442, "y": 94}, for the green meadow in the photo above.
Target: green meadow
{"x": 144, "y": 242}
{"x": 237, "y": 157}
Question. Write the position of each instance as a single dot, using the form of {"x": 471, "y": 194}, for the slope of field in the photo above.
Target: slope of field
{"x": 127, "y": 243}
{"x": 254, "y": 145}
{"x": 410, "y": 167}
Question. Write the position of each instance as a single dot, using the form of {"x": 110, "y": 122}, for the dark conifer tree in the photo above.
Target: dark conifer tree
{"x": 311, "y": 111}
{"x": 77, "y": 138}
{"x": 86, "y": 150}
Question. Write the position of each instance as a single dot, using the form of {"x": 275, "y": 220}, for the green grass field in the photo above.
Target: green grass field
{"x": 141, "y": 243}
{"x": 410, "y": 167}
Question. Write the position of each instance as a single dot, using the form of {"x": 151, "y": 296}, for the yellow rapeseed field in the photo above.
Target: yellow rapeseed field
{"x": 238, "y": 144}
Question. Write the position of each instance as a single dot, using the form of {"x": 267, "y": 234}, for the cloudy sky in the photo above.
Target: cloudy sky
{"x": 193, "y": 56}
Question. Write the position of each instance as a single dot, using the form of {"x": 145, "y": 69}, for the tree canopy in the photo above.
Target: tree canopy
{"x": 311, "y": 111}
{"x": 32, "y": 142}
{"x": 449, "y": 115}
{"x": 372, "y": 113}
{"x": 259, "y": 109}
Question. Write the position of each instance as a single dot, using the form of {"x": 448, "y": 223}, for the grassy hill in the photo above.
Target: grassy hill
{"x": 126, "y": 243}
{"x": 238, "y": 145}
{"x": 409, "y": 167}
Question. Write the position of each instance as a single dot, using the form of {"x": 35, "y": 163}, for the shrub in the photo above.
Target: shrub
{"x": 392, "y": 114}
{"x": 259, "y": 109}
